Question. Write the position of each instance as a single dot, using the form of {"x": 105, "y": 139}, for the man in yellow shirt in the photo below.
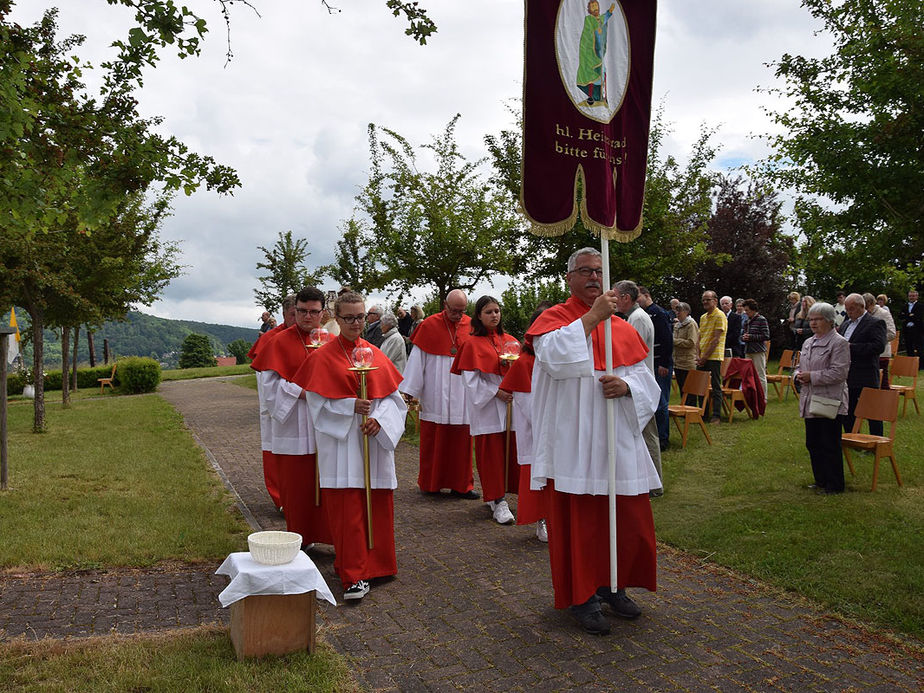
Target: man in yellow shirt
{"x": 712, "y": 328}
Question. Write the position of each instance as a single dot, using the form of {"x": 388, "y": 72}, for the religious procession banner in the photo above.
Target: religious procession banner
{"x": 586, "y": 110}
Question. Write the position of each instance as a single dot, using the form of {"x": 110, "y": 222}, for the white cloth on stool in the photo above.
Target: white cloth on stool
{"x": 249, "y": 578}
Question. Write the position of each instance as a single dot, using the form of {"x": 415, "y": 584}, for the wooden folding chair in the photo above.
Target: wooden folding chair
{"x": 905, "y": 367}
{"x": 781, "y": 380}
{"x": 696, "y": 385}
{"x": 878, "y": 405}
{"x": 103, "y": 382}
{"x": 730, "y": 395}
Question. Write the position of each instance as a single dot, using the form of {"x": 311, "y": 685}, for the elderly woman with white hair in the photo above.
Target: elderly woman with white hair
{"x": 392, "y": 341}
{"x": 823, "y": 366}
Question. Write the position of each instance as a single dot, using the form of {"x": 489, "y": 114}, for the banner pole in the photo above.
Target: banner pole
{"x": 610, "y": 418}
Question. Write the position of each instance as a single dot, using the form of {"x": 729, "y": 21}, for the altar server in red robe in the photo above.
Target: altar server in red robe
{"x": 481, "y": 368}
{"x": 518, "y": 381}
{"x": 445, "y": 439}
{"x": 570, "y": 389}
{"x": 337, "y": 413}
{"x": 270, "y": 468}
{"x": 293, "y": 437}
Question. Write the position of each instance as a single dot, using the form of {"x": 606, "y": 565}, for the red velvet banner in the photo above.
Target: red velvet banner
{"x": 586, "y": 111}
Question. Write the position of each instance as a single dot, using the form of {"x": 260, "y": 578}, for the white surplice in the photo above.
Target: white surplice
{"x": 442, "y": 395}
{"x": 486, "y": 413}
{"x": 291, "y": 429}
{"x": 569, "y": 419}
{"x": 340, "y": 443}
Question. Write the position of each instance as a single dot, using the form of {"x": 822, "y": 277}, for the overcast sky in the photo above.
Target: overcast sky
{"x": 291, "y": 111}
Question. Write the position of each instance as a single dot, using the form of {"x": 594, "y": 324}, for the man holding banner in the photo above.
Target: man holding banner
{"x": 570, "y": 447}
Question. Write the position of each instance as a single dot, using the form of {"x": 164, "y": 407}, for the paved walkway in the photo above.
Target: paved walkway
{"x": 471, "y": 606}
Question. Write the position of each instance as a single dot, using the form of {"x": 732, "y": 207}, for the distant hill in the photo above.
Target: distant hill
{"x": 143, "y": 335}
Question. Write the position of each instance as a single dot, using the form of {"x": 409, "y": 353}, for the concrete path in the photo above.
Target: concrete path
{"x": 471, "y": 605}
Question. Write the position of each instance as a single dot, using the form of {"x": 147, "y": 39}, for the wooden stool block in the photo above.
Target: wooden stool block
{"x": 273, "y": 624}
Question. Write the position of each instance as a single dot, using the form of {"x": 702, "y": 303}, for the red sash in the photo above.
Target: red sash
{"x": 483, "y": 354}
{"x": 628, "y": 346}
{"x": 438, "y": 335}
{"x": 327, "y": 373}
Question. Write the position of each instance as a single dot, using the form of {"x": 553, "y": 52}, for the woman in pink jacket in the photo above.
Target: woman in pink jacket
{"x": 823, "y": 366}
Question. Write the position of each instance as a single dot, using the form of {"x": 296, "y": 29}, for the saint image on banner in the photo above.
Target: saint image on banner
{"x": 593, "y": 56}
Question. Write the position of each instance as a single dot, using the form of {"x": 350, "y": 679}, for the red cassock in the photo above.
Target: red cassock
{"x": 326, "y": 377}
{"x": 531, "y": 505}
{"x": 284, "y": 354}
{"x": 445, "y": 446}
{"x": 270, "y": 467}
{"x": 478, "y": 362}
{"x": 578, "y": 523}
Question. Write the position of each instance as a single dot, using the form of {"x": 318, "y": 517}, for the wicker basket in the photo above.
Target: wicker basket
{"x": 274, "y": 548}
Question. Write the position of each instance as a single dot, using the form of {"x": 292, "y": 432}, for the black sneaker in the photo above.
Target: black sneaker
{"x": 620, "y": 603}
{"x": 592, "y": 622}
{"x": 471, "y": 494}
{"x": 357, "y": 590}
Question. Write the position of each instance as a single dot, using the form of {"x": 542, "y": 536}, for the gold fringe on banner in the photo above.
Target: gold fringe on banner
{"x": 559, "y": 228}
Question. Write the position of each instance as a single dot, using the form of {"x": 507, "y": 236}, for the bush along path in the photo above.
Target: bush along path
{"x": 471, "y": 606}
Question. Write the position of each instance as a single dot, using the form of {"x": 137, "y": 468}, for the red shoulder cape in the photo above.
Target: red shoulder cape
{"x": 284, "y": 353}
{"x": 263, "y": 340}
{"x": 519, "y": 376}
{"x": 326, "y": 373}
{"x": 628, "y": 346}
{"x": 482, "y": 354}
{"x": 436, "y": 336}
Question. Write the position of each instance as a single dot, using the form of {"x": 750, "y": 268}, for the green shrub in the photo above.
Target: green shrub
{"x": 197, "y": 352}
{"x": 86, "y": 377}
{"x": 14, "y": 382}
{"x": 137, "y": 374}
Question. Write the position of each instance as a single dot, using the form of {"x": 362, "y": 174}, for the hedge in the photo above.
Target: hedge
{"x": 136, "y": 374}
{"x": 86, "y": 377}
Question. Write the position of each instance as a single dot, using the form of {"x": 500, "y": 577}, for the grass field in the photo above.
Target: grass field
{"x": 116, "y": 481}
{"x": 215, "y": 371}
{"x": 198, "y": 659}
{"x": 743, "y": 503}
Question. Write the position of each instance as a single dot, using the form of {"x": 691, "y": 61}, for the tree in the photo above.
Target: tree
{"x": 196, "y": 352}
{"x": 443, "y": 228}
{"x": 851, "y": 143}
{"x": 66, "y": 278}
{"x": 238, "y": 349}
{"x": 749, "y": 255}
{"x": 677, "y": 207}
{"x": 356, "y": 261}
{"x": 288, "y": 274}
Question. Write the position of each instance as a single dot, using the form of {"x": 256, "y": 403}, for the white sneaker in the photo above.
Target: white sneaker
{"x": 502, "y": 514}
{"x": 357, "y": 590}
{"x": 542, "y": 533}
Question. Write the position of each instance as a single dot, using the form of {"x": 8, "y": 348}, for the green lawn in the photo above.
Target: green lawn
{"x": 215, "y": 371}
{"x": 198, "y": 659}
{"x": 743, "y": 503}
{"x": 116, "y": 481}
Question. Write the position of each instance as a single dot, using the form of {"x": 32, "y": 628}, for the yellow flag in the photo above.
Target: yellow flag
{"x": 13, "y": 350}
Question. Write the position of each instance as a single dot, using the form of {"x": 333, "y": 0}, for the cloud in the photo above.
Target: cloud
{"x": 291, "y": 111}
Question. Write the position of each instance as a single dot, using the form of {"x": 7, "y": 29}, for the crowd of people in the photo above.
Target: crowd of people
{"x": 542, "y": 417}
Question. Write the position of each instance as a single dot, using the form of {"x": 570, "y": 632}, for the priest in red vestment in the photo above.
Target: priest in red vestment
{"x": 570, "y": 388}
{"x": 293, "y": 437}
{"x": 445, "y": 439}
{"x": 270, "y": 467}
{"x": 337, "y": 412}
